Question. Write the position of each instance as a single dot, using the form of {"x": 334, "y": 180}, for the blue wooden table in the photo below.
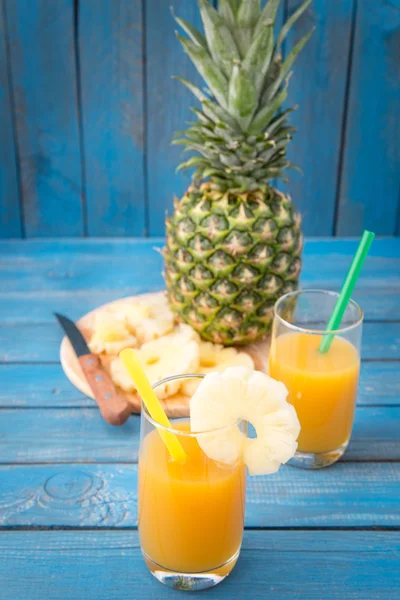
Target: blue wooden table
{"x": 68, "y": 500}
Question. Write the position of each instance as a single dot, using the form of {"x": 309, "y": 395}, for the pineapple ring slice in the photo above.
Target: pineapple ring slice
{"x": 240, "y": 393}
{"x": 169, "y": 355}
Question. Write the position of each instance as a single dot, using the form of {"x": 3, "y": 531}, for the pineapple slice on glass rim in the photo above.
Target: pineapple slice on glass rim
{"x": 240, "y": 393}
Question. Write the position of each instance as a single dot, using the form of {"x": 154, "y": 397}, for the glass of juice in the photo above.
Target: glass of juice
{"x": 191, "y": 515}
{"x": 322, "y": 386}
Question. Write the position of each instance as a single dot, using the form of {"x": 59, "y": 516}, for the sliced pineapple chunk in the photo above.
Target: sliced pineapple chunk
{"x": 153, "y": 328}
{"x": 112, "y": 348}
{"x": 172, "y": 354}
{"x": 214, "y": 357}
{"x": 133, "y": 314}
{"x": 109, "y": 327}
{"x": 110, "y": 335}
{"x": 147, "y": 319}
{"x": 120, "y": 375}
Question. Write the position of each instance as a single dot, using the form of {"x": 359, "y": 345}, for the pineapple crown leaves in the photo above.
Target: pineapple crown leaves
{"x": 241, "y": 133}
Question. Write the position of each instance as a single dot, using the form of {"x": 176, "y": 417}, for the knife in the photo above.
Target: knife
{"x": 113, "y": 406}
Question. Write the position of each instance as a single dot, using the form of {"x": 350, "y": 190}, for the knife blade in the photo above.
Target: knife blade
{"x": 114, "y": 407}
{"x": 74, "y": 335}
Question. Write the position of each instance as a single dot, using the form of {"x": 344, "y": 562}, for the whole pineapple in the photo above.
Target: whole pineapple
{"x": 234, "y": 242}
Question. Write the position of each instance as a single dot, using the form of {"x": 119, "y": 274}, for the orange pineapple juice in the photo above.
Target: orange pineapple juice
{"x": 191, "y": 515}
{"x": 322, "y": 387}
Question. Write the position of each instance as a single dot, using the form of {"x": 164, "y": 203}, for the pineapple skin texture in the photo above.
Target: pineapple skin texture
{"x": 228, "y": 257}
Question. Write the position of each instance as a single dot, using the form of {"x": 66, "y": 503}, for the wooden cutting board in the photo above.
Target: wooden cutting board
{"x": 175, "y": 406}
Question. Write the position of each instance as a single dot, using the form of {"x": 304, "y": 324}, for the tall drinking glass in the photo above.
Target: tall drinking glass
{"x": 191, "y": 515}
{"x": 322, "y": 386}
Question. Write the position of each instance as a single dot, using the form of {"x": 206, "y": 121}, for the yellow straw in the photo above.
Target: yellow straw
{"x": 156, "y": 411}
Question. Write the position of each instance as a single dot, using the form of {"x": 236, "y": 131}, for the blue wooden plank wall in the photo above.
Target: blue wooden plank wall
{"x": 44, "y": 82}
{"x": 370, "y": 185}
{"x": 112, "y": 110}
{"x": 88, "y": 108}
{"x": 10, "y": 215}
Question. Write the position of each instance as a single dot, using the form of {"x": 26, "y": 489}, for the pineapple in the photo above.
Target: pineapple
{"x": 215, "y": 358}
{"x": 240, "y": 393}
{"x": 171, "y": 354}
{"x": 110, "y": 335}
{"x": 234, "y": 242}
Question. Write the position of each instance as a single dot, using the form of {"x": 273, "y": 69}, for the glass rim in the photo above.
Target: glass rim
{"x": 173, "y": 430}
{"x": 299, "y": 329}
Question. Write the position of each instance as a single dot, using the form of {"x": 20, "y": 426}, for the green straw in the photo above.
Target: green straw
{"x": 347, "y": 289}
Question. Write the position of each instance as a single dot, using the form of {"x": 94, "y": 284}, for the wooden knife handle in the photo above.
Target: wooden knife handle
{"x": 113, "y": 406}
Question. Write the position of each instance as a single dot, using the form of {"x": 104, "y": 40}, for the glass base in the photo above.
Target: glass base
{"x": 309, "y": 460}
{"x": 191, "y": 582}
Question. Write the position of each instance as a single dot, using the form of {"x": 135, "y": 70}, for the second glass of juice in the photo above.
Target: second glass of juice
{"x": 322, "y": 386}
{"x": 191, "y": 515}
